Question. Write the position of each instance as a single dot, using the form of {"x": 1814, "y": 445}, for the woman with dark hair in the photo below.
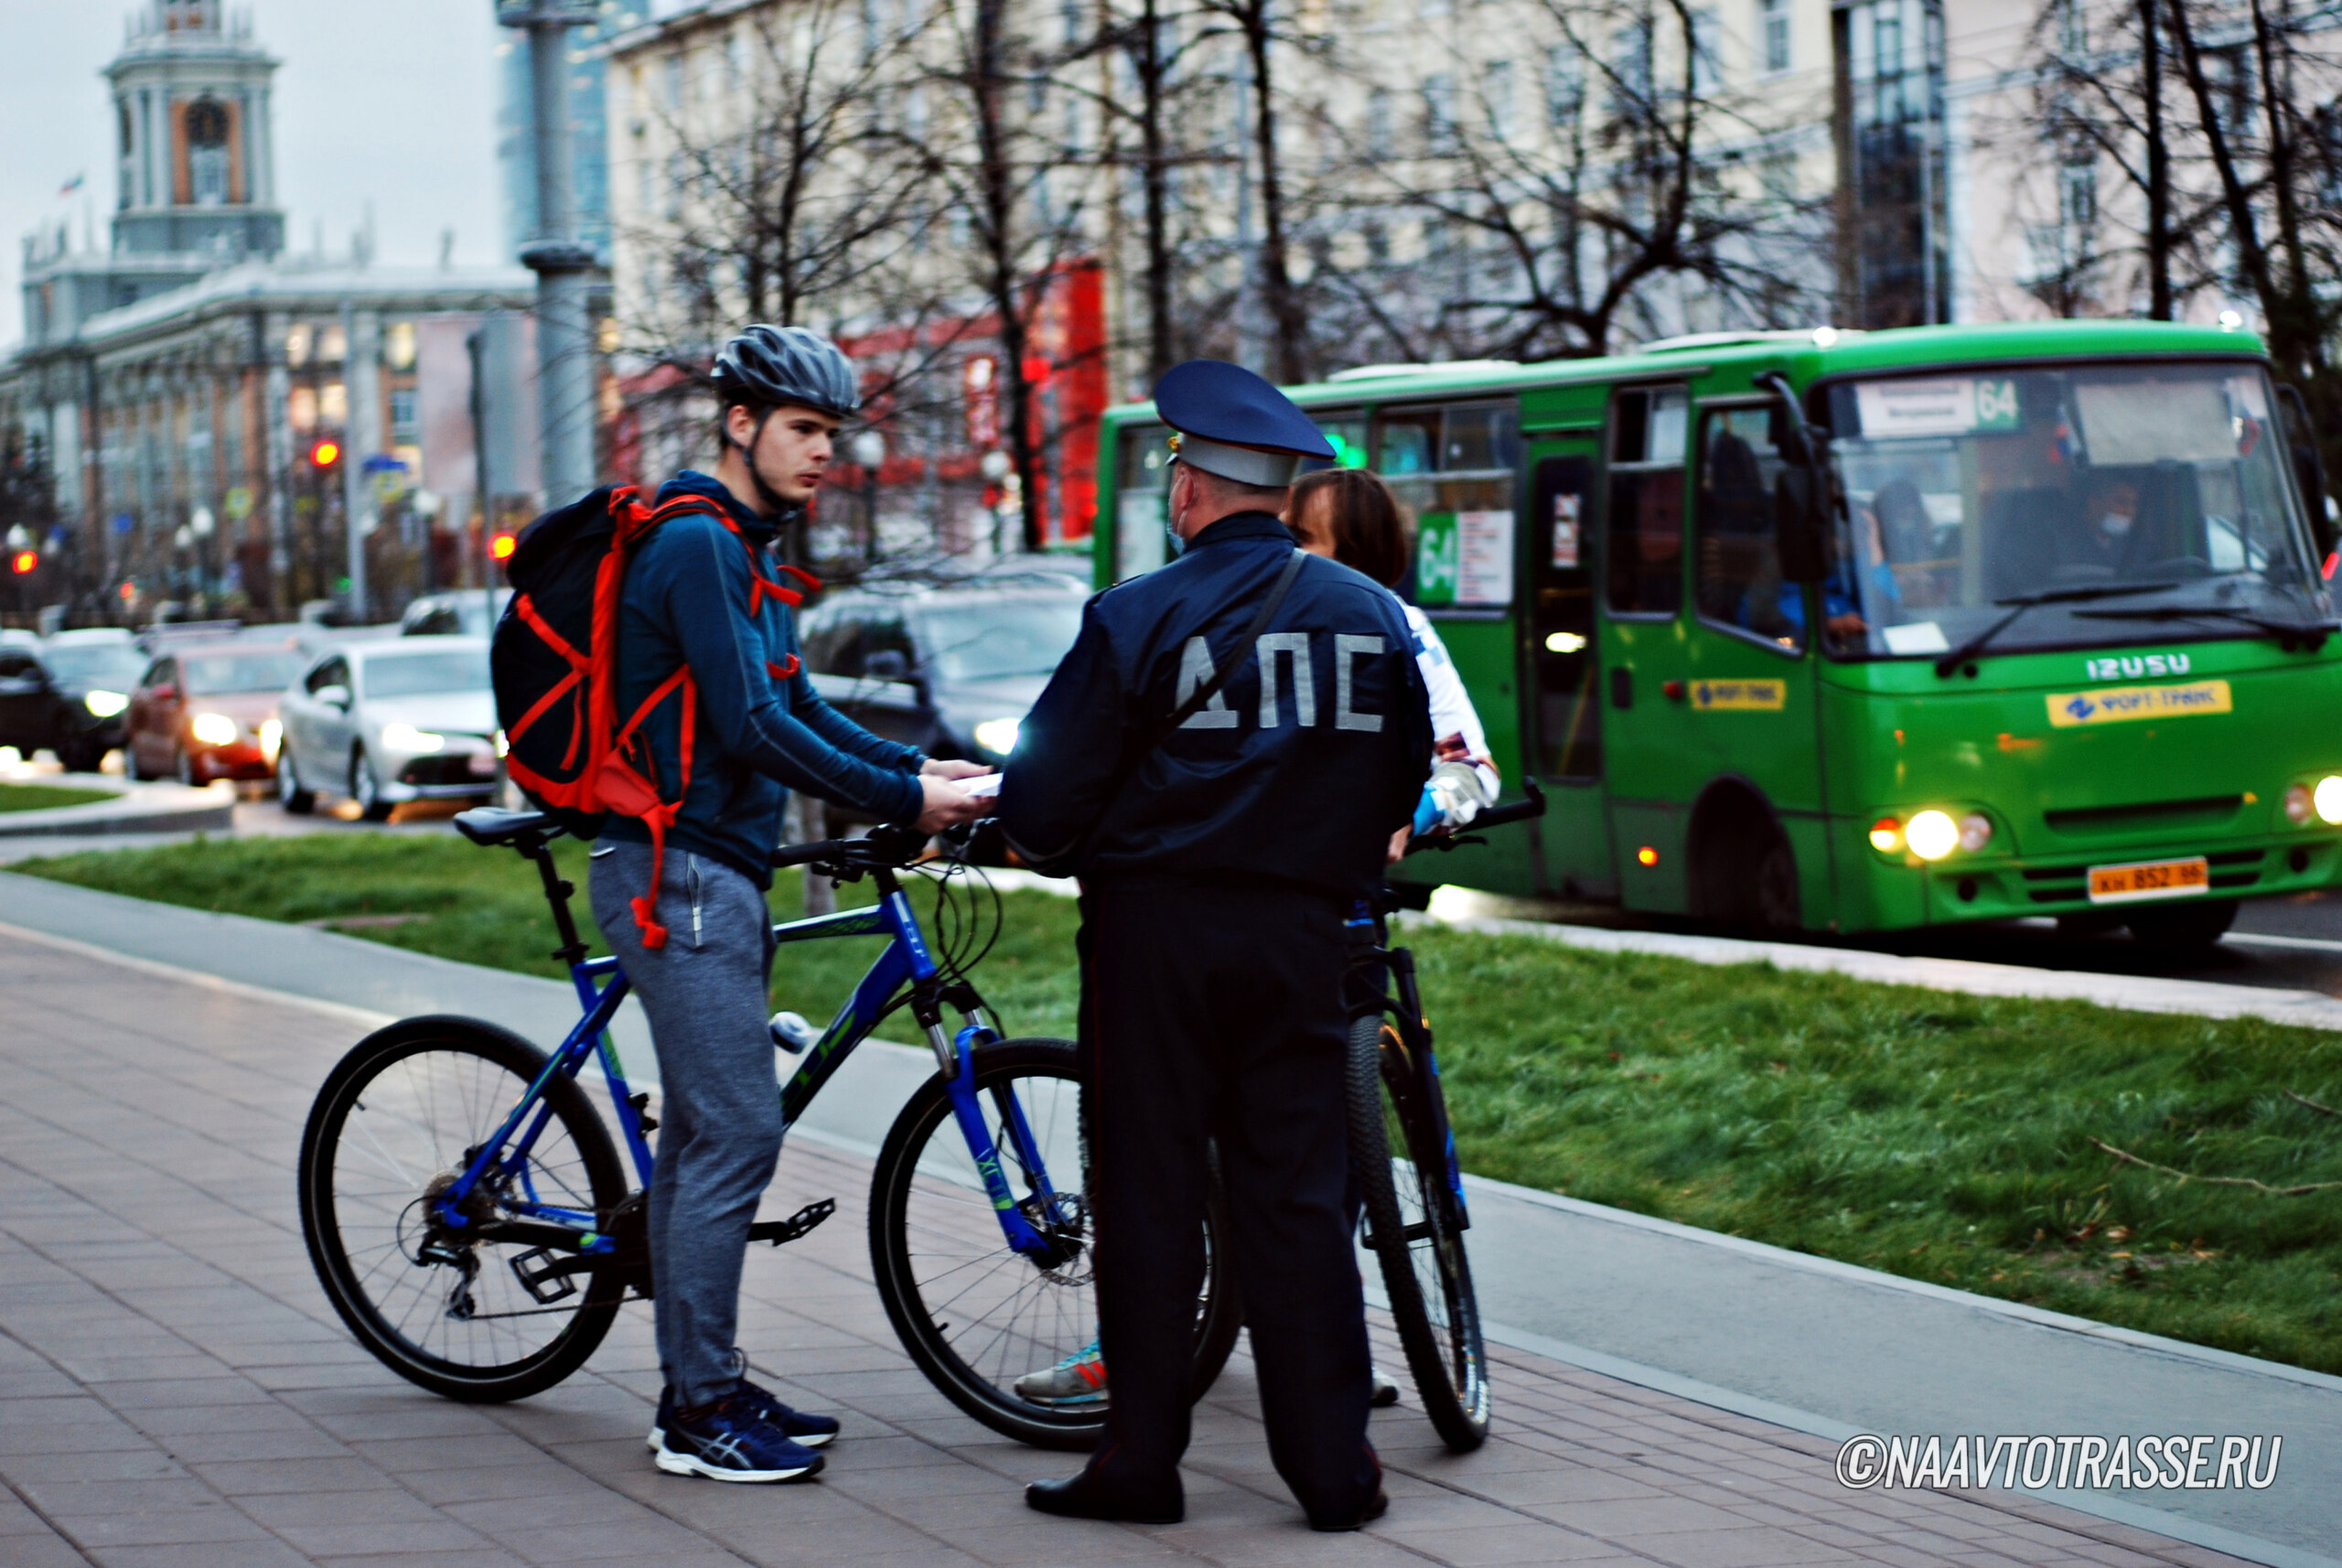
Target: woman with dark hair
{"x": 1349, "y": 515}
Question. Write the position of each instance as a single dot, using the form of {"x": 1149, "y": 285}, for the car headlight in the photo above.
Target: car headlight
{"x": 2327, "y": 798}
{"x": 272, "y": 737}
{"x": 1932, "y": 834}
{"x": 213, "y": 729}
{"x": 406, "y": 737}
{"x": 999, "y": 736}
{"x": 106, "y": 705}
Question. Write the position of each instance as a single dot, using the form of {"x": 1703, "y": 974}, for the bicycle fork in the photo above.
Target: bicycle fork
{"x": 1047, "y": 1251}
{"x": 1420, "y": 1070}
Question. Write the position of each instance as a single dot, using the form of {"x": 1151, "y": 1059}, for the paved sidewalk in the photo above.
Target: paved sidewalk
{"x": 175, "y": 1391}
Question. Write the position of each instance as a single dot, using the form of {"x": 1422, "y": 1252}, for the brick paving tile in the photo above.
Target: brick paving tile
{"x": 175, "y": 1392}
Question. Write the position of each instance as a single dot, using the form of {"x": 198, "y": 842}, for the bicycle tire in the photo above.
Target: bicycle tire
{"x": 987, "y": 1394}
{"x": 399, "y": 1079}
{"x": 1425, "y": 1274}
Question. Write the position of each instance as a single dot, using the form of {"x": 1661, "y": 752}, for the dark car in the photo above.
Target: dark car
{"x": 67, "y": 698}
{"x": 207, "y": 710}
{"x": 949, "y": 670}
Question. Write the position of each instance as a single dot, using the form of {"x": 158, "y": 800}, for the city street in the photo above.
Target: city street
{"x": 174, "y": 1389}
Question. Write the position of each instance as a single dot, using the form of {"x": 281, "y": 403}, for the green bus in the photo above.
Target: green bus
{"x": 1865, "y": 631}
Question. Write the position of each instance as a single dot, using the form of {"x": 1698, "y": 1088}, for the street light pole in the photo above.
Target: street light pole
{"x": 869, "y": 452}
{"x": 564, "y": 363}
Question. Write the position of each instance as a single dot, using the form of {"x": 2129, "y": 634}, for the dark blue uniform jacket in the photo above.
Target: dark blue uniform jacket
{"x": 686, "y": 599}
{"x": 1297, "y": 772}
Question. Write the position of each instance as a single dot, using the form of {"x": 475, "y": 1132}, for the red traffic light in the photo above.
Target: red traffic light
{"x": 503, "y": 546}
{"x": 24, "y": 561}
{"x": 325, "y": 454}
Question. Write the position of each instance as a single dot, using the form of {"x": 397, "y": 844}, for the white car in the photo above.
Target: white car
{"x": 387, "y": 720}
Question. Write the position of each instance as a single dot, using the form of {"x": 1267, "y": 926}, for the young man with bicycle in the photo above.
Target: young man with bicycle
{"x": 702, "y": 597}
{"x": 1222, "y": 758}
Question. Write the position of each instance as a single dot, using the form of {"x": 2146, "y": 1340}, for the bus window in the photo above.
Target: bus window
{"x": 1737, "y": 571}
{"x": 1568, "y": 718}
{"x": 1453, "y": 468}
{"x": 1142, "y": 491}
{"x": 1345, "y": 432}
{"x": 1646, "y": 512}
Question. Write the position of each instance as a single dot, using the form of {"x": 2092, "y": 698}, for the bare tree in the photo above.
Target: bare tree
{"x": 1646, "y": 177}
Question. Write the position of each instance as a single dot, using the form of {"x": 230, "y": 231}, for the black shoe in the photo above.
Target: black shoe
{"x": 1376, "y": 1506}
{"x": 1086, "y": 1496}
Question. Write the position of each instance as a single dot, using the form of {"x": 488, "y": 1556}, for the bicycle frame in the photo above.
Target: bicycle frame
{"x": 905, "y": 962}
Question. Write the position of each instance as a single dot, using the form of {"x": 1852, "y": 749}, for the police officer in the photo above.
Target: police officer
{"x": 1219, "y": 862}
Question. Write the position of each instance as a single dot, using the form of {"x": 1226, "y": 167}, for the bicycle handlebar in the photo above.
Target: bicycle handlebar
{"x": 1494, "y": 817}
{"x": 889, "y": 847}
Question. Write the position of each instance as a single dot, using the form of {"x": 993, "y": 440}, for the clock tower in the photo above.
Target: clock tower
{"x": 195, "y": 173}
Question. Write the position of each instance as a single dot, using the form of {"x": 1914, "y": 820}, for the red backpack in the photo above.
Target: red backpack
{"x": 554, "y": 660}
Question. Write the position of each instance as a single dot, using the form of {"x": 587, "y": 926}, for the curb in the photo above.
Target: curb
{"x": 136, "y": 808}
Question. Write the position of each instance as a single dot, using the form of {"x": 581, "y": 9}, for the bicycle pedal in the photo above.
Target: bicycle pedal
{"x": 781, "y": 1231}
{"x": 536, "y": 1270}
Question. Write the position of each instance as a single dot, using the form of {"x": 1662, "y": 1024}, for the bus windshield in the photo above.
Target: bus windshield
{"x": 2130, "y": 496}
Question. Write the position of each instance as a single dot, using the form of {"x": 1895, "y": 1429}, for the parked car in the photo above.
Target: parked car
{"x": 950, "y": 670}
{"x": 465, "y": 614}
{"x": 207, "y": 710}
{"x": 91, "y": 675}
{"x": 387, "y": 720}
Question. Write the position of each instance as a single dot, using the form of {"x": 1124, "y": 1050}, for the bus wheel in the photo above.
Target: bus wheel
{"x": 2181, "y": 928}
{"x": 1776, "y": 890}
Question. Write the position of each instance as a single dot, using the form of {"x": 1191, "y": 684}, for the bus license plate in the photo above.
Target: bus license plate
{"x": 2149, "y": 879}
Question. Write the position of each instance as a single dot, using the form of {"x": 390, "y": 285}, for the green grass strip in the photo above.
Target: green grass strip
{"x": 1931, "y": 1134}
{"x": 46, "y": 797}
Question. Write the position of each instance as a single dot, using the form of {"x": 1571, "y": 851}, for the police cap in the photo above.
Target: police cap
{"x": 1233, "y": 423}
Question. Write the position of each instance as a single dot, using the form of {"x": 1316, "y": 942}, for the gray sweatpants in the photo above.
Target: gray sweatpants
{"x": 719, "y": 1101}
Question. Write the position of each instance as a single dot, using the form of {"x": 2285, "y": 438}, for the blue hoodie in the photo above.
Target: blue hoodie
{"x": 686, "y": 601}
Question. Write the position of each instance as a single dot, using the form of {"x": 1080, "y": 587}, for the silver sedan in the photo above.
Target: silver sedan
{"x": 389, "y": 720}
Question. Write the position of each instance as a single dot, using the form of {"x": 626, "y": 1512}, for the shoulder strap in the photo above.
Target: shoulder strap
{"x": 1247, "y": 643}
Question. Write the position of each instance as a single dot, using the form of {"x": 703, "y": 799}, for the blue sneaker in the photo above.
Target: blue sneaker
{"x": 730, "y": 1443}
{"x": 800, "y": 1427}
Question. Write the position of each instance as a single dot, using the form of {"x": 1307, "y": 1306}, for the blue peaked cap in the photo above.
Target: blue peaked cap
{"x": 1234, "y": 424}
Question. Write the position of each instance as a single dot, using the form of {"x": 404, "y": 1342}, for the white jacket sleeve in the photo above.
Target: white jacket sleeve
{"x": 1453, "y": 721}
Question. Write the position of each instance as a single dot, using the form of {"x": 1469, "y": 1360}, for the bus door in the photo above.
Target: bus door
{"x": 1752, "y": 762}
{"x": 1649, "y": 734}
{"x": 1561, "y": 707}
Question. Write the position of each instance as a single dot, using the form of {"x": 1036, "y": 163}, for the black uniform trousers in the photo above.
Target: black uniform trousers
{"x": 1217, "y": 1012}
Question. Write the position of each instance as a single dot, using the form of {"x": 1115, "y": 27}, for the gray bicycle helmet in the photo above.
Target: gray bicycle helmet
{"x": 770, "y": 366}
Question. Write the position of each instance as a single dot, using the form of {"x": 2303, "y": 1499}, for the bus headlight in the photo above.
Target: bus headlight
{"x": 1886, "y": 835}
{"x": 1932, "y": 834}
{"x": 213, "y": 729}
{"x": 2327, "y": 798}
{"x": 1975, "y": 832}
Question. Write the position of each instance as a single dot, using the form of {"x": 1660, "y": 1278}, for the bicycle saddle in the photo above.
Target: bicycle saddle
{"x": 490, "y": 826}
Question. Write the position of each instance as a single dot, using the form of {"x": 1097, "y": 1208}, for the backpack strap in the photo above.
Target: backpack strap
{"x": 623, "y": 786}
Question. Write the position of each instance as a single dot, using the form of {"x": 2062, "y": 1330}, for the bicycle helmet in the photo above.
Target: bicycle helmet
{"x": 770, "y": 366}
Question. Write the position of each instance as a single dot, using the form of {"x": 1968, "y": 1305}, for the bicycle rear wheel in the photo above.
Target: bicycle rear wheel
{"x": 975, "y": 1314}
{"x": 1400, "y": 1159}
{"x": 399, "y": 1118}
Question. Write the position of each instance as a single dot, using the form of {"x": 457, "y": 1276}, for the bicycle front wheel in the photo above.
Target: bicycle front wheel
{"x": 974, "y": 1313}
{"x": 401, "y": 1117}
{"x": 1399, "y": 1158}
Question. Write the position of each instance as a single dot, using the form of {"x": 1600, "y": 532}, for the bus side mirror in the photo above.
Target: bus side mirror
{"x": 2309, "y": 467}
{"x": 1797, "y": 527}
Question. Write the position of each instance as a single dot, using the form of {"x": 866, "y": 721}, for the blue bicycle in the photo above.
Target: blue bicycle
{"x": 472, "y": 1223}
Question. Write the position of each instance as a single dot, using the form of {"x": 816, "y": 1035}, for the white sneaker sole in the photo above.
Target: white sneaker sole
{"x": 676, "y": 1464}
{"x": 658, "y": 1440}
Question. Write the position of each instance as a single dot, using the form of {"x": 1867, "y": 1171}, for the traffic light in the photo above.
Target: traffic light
{"x": 502, "y": 547}
{"x": 325, "y": 454}
{"x": 22, "y": 561}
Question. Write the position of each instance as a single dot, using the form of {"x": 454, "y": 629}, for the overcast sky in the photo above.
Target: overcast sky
{"x": 388, "y": 103}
